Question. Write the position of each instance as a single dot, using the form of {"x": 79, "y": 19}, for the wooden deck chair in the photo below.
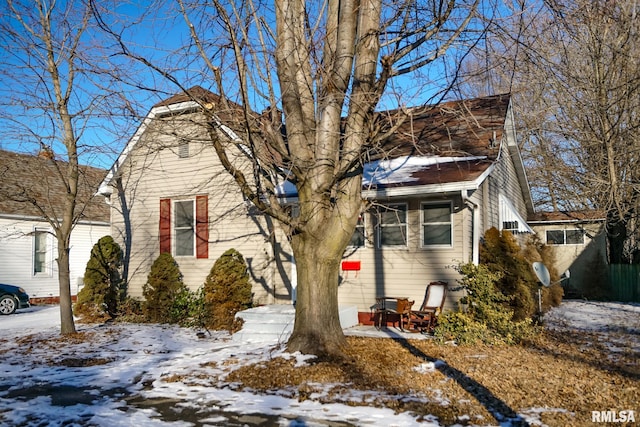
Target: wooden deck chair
{"x": 424, "y": 319}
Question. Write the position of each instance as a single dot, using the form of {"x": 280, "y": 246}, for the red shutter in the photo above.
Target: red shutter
{"x": 165, "y": 226}
{"x": 202, "y": 227}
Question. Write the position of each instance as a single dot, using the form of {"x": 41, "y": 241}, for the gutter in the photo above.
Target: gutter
{"x": 42, "y": 219}
{"x": 475, "y": 226}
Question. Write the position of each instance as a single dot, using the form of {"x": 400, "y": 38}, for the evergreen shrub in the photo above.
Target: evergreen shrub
{"x": 164, "y": 284}
{"x": 486, "y": 319}
{"x": 501, "y": 254}
{"x": 103, "y": 287}
{"x": 536, "y": 250}
{"x": 227, "y": 290}
{"x": 188, "y": 308}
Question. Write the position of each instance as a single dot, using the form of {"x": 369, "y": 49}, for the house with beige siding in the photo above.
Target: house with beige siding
{"x": 31, "y": 191}
{"x": 443, "y": 177}
{"x": 579, "y": 244}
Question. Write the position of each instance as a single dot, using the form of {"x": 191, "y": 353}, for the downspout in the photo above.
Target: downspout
{"x": 475, "y": 224}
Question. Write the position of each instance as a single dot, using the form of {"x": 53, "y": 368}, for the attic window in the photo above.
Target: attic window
{"x": 183, "y": 150}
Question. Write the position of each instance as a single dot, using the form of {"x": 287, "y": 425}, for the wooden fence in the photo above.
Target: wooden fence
{"x": 625, "y": 282}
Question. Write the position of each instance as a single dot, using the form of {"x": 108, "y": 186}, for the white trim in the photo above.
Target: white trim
{"x": 364, "y": 233}
{"x": 507, "y": 212}
{"x": 417, "y": 190}
{"x": 193, "y": 227}
{"x": 389, "y": 207}
{"x": 156, "y": 112}
{"x": 48, "y": 251}
{"x": 44, "y": 220}
{"x": 564, "y": 235}
{"x": 422, "y": 224}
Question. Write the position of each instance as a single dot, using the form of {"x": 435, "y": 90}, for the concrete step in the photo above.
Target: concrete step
{"x": 274, "y": 323}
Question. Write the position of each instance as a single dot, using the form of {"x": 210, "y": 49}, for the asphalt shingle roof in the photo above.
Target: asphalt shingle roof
{"x": 28, "y": 182}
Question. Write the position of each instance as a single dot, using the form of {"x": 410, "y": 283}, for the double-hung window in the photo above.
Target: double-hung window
{"x": 40, "y": 251}
{"x": 358, "y": 237}
{"x": 392, "y": 225}
{"x": 437, "y": 225}
{"x": 184, "y": 228}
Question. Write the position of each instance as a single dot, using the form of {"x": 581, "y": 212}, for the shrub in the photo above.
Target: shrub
{"x": 501, "y": 253}
{"x": 188, "y": 308}
{"x": 227, "y": 290}
{"x": 536, "y": 250}
{"x": 164, "y": 284}
{"x": 103, "y": 288}
{"x": 130, "y": 310}
{"x": 486, "y": 319}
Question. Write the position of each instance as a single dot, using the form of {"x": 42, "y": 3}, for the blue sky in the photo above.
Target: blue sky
{"x": 156, "y": 31}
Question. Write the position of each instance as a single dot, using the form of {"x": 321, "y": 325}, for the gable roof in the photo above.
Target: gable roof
{"x": 470, "y": 127}
{"x": 25, "y": 178}
{"x": 452, "y": 146}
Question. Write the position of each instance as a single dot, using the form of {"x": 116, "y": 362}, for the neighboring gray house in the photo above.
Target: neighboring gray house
{"x": 29, "y": 186}
{"x": 448, "y": 173}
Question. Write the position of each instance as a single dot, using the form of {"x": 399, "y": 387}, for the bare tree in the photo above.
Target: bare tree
{"x": 316, "y": 71}
{"x": 572, "y": 67}
{"x": 51, "y": 88}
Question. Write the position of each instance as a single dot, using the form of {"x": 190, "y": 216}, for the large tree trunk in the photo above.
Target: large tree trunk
{"x": 318, "y": 250}
{"x": 317, "y": 327}
{"x": 616, "y": 237}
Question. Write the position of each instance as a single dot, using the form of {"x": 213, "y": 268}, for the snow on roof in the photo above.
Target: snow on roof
{"x": 404, "y": 170}
{"x": 401, "y": 170}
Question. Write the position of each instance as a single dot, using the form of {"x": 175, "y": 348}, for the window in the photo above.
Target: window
{"x": 436, "y": 224}
{"x": 40, "y": 238}
{"x": 183, "y": 150}
{"x": 358, "y": 238}
{"x": 392, "y": 225}
{"x": 184, "y": 228}
{"x": 565, "y": 237}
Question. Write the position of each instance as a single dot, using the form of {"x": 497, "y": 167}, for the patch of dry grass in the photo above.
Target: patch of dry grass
{"x": 565, "y": 376}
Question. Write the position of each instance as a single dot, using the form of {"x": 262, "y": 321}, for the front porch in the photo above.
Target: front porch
{"x": 275, "y": 323}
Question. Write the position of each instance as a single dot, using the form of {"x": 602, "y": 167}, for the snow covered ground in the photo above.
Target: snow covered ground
{"x": 123, "y": 375}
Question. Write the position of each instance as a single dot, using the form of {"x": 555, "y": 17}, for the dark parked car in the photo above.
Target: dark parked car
{"x": 12, "y": 298}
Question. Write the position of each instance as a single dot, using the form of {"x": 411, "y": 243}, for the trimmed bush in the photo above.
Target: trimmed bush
{"x": 227, "y": 290}
{"x": 163, "y": 286}
{"x": 103, "y": 288}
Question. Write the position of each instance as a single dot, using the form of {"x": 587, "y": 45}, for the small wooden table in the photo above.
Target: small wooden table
{"x": 399, "y": 306}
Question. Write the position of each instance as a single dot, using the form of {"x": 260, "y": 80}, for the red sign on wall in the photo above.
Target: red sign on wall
{"x": 350, "y": 265}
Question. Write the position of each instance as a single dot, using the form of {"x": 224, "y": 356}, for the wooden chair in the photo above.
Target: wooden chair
{"x": 425, "y": 318}
{"x": 397, "y": 307}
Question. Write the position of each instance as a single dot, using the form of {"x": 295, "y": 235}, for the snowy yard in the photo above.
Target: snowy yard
{"x": 142, "y": 375}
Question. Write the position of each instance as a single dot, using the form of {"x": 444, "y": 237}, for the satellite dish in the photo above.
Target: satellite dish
{"x": 542, "y": 272}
